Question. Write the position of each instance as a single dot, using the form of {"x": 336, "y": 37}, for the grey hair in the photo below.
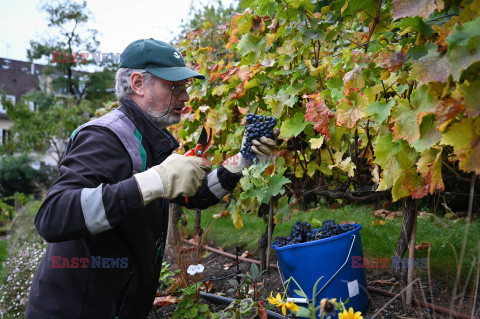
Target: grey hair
{"x": 123, "y": 87}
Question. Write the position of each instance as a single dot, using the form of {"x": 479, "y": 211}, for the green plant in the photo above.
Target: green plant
{"x": 25, "y": 249}
{"x": 188, "y": 307}
{"x": 166, "y": 275}
{"x": 247, "y": 287}
{"x": 242, "y": 309}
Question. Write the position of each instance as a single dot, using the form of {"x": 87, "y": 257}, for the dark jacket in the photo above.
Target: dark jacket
{"x": 105, "y": 248}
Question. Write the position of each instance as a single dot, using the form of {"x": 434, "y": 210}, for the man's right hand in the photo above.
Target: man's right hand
{"x": 177, "y": 176}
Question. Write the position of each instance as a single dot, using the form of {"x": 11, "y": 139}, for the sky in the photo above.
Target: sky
{"x": 118, "y": 22}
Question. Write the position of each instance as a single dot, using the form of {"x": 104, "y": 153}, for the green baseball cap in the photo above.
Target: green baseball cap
{"x": 158, "y": 58}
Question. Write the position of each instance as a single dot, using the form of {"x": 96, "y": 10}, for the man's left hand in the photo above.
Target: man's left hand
{"x": 263, "y": 148}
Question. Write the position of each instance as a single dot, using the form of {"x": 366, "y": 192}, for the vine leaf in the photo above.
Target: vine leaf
{"x": 433, "y": 67}
{"x": 380, "y": 110}
{"x": 464, "y": 47}
{"x": 446, "y": 111}
{"x": 413, "y": 8}
{"x": 464, "y": 136}
{"x": 405, "y": 117}
{"x": 385, "y": 150}
{"x": 471, "y": 94}
{"x": 293, "y": 126}
{"x": 430, "y": 166}
{"x": 408, "y": 183}
{"x": 429, "y": 135}
{"x": 351, "y": 109}
{"x": 316, "y": 143}
{"x": 353, "y": 79}
{"x": 319, "y": 113}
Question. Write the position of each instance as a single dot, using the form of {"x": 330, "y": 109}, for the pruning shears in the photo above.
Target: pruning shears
{"x": 203, "y": 143}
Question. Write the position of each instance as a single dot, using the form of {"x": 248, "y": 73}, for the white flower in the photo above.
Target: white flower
{"x": 192, "y": 270}
{"x": 195, "y": 269}
{"x": 200, "y": 268}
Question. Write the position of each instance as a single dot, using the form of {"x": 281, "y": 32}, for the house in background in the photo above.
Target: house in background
{"x": 18, "y": 78}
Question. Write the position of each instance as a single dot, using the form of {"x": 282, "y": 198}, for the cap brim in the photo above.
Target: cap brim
{"x": 174, "y": 74}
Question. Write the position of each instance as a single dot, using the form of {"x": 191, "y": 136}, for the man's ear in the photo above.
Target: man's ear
{"x": 137, "y": 83}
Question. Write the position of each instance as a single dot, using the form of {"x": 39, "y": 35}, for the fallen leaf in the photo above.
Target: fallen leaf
{"x": 224, "y": 213}
{"x": 165, "y": 301}
{"x": 423, "y": 246}
{"x": 207, "y": 286}
{"x": 246, "y": 254}
{"x": 229, "y": 265}
{"x": 383, "y": 213}
{"x": 378, "y": 222}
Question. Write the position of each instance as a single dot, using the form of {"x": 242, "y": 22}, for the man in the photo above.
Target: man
{"x": 106, "y": 216}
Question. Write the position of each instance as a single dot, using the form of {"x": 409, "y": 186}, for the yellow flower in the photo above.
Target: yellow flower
{"x": 350, "y": 315}
{"x": 278, "y": 301}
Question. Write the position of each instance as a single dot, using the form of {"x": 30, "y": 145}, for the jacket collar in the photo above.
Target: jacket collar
{"x": 160, "y": 140}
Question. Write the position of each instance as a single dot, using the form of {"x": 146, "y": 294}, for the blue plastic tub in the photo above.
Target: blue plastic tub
{"x": 332, "y": 259}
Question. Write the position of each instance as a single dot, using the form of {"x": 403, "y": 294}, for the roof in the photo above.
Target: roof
{"x": 19, "y": 77}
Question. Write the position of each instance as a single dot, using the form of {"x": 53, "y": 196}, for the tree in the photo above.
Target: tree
{"x": 68, "y": 45}
{"x": 18, "y": 175}
{"x": 212, "y": 19}
{"x": 48, "y": 128}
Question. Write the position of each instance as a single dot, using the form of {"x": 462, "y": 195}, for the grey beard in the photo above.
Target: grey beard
{"x": 165, "y": 121}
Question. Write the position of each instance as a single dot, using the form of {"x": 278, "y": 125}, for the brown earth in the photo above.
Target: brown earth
{"x": 380, "y": 306}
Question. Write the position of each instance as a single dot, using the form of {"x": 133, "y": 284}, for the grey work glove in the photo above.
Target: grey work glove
{"x": 177, "y": 175}
{"x": 263, "y": 148}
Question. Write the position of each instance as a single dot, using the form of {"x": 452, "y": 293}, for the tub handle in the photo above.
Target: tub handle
{"x": 346, "y": 260}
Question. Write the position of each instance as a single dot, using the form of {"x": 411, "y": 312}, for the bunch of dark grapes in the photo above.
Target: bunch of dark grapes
{"x": 302, "y": 232}
{"x": 257, "y": 126}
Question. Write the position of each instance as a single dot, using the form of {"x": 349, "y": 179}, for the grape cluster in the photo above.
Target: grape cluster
{"x": 257, "y": 126}
{"x": 302, "y": 232}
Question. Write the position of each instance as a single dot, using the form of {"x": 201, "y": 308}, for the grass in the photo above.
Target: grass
{"x": 377, "y": 240}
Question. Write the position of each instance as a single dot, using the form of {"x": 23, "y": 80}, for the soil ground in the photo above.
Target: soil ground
{"x": 380, "y": 306}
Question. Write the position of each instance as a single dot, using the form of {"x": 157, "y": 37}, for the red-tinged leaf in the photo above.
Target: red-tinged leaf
{"x": 413, "y": 8}
{"x": 447, "y": 110}
{"x": 351, "y": 109}
{"x": 464, "y": 136}
{"x": 165, "y": 301}
{"x": 353, "y": 80}
{"x": 423, "y": 246}
{"x": 430, "y": 166}
{"x": 409, "y": 183}
{"x": 319, "y": 113}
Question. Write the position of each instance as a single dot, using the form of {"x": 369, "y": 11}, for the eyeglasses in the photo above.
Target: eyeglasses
{"x": 178, "y": 89}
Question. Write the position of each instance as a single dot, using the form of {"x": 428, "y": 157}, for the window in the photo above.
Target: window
{"x": 9, "y": 98}
{"x": 32, "y": 106}
{"x": 4, "y": 136}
